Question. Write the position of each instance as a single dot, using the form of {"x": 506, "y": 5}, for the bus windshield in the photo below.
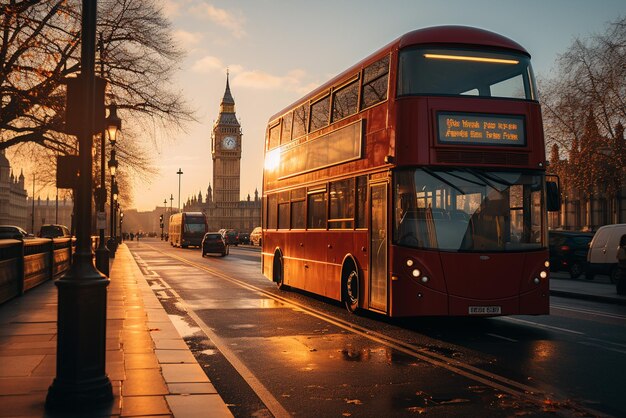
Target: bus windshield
{"x": 469, "y": 210}
{"x": 439, "y": 71}
{"x": 195, "y": 224}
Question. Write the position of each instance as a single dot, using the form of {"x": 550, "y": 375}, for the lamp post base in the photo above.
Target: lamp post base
{"x": 81, "y": 382}
{"x": 102, "y": 260}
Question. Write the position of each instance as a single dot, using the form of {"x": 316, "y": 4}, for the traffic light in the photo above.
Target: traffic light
{"x": 161, "y": 221}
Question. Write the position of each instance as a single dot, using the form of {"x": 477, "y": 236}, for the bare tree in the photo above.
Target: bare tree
{"x": 40, "y": 48}
{"x": 584, "y": 106}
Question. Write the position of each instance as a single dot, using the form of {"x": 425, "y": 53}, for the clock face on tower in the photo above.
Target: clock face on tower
{"x": 229, "y": 142}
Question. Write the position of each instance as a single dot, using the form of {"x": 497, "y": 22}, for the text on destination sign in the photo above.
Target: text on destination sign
{"x": 478, "y": 129}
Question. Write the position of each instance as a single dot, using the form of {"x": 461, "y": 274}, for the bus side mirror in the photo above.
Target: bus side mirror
{"x": 553, "y": 196}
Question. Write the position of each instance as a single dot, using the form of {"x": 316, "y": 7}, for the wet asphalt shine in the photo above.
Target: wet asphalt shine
{"x": 288, "y": 353}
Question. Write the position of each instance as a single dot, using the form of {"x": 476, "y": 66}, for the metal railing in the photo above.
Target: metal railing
{"x": 28, "y": 263}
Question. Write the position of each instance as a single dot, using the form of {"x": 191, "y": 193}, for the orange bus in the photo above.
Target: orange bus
{"x": 414, "y": 183}
{"x": 187, "y": 229}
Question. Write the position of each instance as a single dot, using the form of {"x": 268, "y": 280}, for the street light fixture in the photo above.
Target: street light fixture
{"x": 112, "y": 164}
{"x": 113, "y": 124}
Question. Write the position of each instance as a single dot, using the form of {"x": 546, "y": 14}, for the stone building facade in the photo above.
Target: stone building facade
{"x": 13, "y": 196}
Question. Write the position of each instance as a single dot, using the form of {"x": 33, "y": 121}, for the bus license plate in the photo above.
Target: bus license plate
{"x": 485, "y": 310}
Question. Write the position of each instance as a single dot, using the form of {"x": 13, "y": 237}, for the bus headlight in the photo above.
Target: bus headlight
{"x": 536, "y": 280}
{"x": 409, "y": 262}
{"x": 547, "y": 264}
{"x": 543, "y": 274}
{"x": 416, "y": 273}
{"x": 425, "y": 279}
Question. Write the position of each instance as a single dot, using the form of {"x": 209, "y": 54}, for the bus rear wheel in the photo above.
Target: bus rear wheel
{"x": 277, "y": 274}
{"x": 351, "y": 289}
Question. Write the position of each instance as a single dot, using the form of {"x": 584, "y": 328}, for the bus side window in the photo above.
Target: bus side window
{"x": 375, "y": 83}
{"x": 361, "y": 201}
{"x": 272, "y": 211}
{"x": 317, "y": 210}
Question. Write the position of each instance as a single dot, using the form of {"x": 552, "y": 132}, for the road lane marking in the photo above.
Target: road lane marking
{"x": 587, "y": 343}
{"x": 511, "y": 387}
{"x": 537, "y": 325}
{"x": 588, "y": 311}
{"x": 503, "y": 338}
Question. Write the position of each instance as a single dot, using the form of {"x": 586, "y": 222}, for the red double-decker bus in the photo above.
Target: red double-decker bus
{"x": 414, "y": 182}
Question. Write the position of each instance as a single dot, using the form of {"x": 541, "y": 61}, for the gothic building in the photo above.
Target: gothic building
{"x": 13, "y": 203}
{"x": 222, "y": 203}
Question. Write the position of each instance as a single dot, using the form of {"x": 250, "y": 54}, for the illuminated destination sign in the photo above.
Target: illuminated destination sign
{"x": 480, "y": 129}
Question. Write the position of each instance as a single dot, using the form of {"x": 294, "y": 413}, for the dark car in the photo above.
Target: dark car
{"x": 231, "y": 237}
{"x": 213, "y": 242}
{"x": 244, "y": 238}
{"x": 54, "y": 231}
{"x": 13, "y": 232}
{"x": 568, "y": 251}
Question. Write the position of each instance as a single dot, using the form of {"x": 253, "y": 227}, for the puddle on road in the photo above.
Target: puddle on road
{"x": 234, "y": 304}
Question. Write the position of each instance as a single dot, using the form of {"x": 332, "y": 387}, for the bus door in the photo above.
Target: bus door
{"x": 378, "y": 247}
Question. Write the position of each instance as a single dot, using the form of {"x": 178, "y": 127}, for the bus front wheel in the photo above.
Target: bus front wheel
{"x": 351, "y": 289}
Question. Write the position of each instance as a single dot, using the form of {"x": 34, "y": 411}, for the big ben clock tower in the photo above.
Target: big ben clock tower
{"x": 226, "y": 153}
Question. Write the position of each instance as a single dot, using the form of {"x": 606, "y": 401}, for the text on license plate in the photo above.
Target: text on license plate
{"x": 485, "y": 310}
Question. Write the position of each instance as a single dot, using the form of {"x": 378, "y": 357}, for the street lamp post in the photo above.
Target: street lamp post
{"x": 114, "y": 195}
{"x": 81, "y": 382}
{"x": 180, "y": 173}
{"x": 112, "y": 125}
{"x": 171, "y": 203}
{"x": 163, "y": 223}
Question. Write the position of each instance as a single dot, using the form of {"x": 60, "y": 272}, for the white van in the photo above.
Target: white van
{"x": 602, "y": 254}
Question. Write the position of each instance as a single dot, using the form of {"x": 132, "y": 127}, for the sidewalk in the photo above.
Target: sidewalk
{"x": 152, "y": 371}
{"x": 599, "y": 289}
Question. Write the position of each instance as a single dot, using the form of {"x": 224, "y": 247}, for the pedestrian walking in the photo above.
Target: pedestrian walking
{"x": 621, "y": 262}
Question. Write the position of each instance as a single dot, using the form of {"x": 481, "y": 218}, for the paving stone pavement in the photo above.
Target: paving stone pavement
{"x": 152, "y": 371}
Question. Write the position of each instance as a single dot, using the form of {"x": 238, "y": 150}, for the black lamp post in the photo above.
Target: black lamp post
{"x": 112, "y": 125}
{"x": 81, "y": 382}
{"x": 111, "y": 243}
{"x": 121, "y": 222}
{"x": 163, "y": 222}
{"x": 180, "y": 173}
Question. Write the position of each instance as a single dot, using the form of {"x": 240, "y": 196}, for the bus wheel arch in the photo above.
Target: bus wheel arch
{"x": 278, "y": 270}
{"x": 350, "y": 284}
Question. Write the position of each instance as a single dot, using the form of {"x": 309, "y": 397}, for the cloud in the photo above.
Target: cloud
{"x": 187, "y": 39}
{"x": 294, "y": 80}
{"x": 234, "y": 23}
{"x": 207, "y": 64}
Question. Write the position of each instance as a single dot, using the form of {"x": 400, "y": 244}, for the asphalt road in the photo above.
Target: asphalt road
{"x": 277, "y": 353}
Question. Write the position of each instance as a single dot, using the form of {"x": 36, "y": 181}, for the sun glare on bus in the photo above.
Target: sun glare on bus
{"x": 468, "y": 58}
{"x": 272, "y": 159}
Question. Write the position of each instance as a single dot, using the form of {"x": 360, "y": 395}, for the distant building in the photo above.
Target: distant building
{"x": 222, "y": 203}
{"x": 49, "y": 211}
{"x": 13, "y": 196}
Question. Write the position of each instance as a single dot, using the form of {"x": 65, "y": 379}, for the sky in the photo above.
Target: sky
{"x": 276, "y": 51}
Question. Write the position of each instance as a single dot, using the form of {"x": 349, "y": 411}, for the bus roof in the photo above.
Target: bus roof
{"x": 449, "y": 34}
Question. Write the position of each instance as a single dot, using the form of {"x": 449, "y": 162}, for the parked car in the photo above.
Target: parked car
{"x": 54, "y": 231}
{"x": 13, "y": 232}
{"x": 213, "y": 242}
{"x": 256, "y": 236}
{"x": 231, "y": 237}
{"x": 602, "y": 255}
{"x": 244, "y": 238}
{"x": 568, "y": 251}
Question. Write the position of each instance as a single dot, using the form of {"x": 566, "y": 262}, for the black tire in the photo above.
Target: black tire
{"x": 278, "y": 272}
{"x": 351, "y": 289}
{"x": 576, "y": 270}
